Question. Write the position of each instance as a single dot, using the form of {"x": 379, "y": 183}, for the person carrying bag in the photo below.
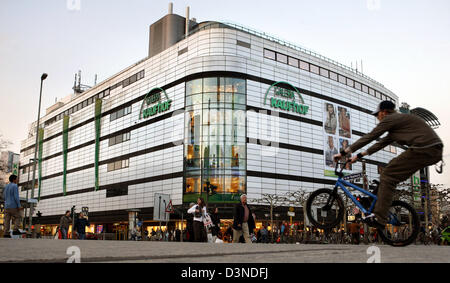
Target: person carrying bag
{"x": 199, "y": 212}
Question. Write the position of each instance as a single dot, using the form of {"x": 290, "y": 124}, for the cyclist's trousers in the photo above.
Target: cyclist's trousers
{"x": 400, "y": 169}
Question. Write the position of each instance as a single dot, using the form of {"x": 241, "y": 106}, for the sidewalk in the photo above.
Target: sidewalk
{"x": 43, "y": 250}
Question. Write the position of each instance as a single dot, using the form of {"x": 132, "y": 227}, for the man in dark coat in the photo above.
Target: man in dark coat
{"x": 243, "y": 223}
{"x": 190, "y": 224}
{"x": 64, "y": 224}
{"x": 80, "y": 226}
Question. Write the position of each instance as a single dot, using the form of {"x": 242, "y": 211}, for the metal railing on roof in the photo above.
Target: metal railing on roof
{"x": 215, "y": 24}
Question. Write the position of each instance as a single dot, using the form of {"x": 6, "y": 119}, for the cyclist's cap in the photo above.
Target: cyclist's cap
{"x": 384, "y": 105}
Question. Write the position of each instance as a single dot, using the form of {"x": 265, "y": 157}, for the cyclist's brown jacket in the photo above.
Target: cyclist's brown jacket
{"x": 405, "y": 129}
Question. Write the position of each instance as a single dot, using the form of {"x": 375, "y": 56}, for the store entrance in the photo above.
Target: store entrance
{"x": 121, "y": 231}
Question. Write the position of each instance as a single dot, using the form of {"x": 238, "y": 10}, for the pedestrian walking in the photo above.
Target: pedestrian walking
{"x": 216, "y": 222}
{"x": 199, "y": 212}
{"x": 354, "y": 231}
{"x": 153, "y": 235}
{"x": 80, "y": 226}
{"x": 178, "y": 235}
{"x": 243, "y": 223}
{"x": 190, "y": 225}
{"x": 64, "y": 224}
{"x": 12, "y": 207}
{"x": 229, "y": 234}
{"x": 284, "y": 232}
{"x": 264, "y": 234}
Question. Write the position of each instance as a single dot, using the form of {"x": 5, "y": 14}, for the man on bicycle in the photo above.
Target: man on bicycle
{"x": 424, "y": 149}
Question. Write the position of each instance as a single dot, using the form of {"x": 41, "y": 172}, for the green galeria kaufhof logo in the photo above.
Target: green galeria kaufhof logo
{"x": 286, "y": 97}
{"x": 153, "y": 103}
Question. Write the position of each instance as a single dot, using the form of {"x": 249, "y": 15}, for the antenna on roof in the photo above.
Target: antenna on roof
{"x": 80, "y": 88}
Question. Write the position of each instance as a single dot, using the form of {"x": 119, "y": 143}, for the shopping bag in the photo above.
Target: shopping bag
{"x": 207, "y": 221}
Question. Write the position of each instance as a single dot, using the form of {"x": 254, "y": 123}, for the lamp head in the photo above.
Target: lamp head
{"x": 44, "y": 76}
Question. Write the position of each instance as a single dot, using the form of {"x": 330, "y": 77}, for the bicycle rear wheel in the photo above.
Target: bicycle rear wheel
{"x": 403, "y": 225}
{"x": 324, "y": 209}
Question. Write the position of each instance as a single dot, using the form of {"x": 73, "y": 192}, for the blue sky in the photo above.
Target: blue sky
{"x": 403, "y": 44}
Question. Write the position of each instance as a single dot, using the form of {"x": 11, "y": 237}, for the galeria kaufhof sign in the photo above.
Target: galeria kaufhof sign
{"x": 152, "y": 103}
{"x": 284, "y": 96}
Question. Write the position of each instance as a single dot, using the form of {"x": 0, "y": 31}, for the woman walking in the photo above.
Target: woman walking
{"x": 199, "y": 212}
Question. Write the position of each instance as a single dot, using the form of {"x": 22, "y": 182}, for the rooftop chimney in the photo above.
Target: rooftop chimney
{"x": 186, "y": 33}
{"x": 168, "y": 30}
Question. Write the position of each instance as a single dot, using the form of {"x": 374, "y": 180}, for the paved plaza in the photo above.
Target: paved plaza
{"x": 60, "y": 251}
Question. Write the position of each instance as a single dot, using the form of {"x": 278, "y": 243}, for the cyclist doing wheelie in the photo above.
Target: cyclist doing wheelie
{"x": 424, "y": 149}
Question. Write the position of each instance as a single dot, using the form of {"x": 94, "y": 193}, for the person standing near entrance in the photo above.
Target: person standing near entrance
{"x": 64, "y": 224}
{"x": 12, "y": 207}
{"x": 243, "y": 223}
{"x": 80, "y": 225}
{"x": 199, "y": 212}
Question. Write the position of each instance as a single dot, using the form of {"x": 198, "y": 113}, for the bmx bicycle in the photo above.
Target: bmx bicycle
{"x": 325, "y": 210}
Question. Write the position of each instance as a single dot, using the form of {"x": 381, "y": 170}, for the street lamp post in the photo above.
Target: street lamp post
{"x": 43, "y": 77}
{"x": 27, "y": 189}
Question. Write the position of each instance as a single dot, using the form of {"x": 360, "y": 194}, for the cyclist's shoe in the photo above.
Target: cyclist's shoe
{"x": 371, "y": 220}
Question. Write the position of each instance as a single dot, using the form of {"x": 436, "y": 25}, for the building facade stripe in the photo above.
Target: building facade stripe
{"x": 126, "y": 183}
{"x": 122, "y": 157}
{"x": 214, "y": 74}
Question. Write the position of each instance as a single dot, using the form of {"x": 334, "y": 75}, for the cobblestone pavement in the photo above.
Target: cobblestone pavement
{"x": 43, "y": 250}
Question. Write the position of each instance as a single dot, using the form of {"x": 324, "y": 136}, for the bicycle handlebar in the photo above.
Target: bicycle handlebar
{"x": 340, "y": 174}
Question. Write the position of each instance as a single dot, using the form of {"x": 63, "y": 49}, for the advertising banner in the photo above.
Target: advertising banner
{"x": 417, "y": 190}
{"x": 337, "y": 135}
{"x": 65, "y": 147}
{"x": 41, "y": 139}
{"x": 98, "y": 116}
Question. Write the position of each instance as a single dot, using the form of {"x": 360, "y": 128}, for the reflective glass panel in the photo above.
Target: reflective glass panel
{"x": 215, "y": 135}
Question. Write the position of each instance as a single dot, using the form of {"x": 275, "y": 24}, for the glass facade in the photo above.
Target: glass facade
{"x": 215, "y": 138}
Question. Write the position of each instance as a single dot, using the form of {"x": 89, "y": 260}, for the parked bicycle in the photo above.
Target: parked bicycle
{"x": 325, "y": 210}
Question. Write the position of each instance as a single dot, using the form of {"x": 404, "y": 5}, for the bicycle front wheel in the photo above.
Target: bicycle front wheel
{"x": 403, "y": 225}
{"x": 324, "y": 209}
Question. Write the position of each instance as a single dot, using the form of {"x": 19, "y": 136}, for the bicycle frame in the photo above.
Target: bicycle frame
{"x": 342, "y": 184}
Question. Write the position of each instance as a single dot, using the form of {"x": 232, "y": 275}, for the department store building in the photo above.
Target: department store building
{"x": 219, "y": 104}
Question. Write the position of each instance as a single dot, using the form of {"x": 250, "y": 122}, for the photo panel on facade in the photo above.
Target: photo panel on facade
{"x": 330, "y": 150}
{"x": 344, "y": 122}
{"x": 343, "y": 144}
{"x": 330, "y": 118}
